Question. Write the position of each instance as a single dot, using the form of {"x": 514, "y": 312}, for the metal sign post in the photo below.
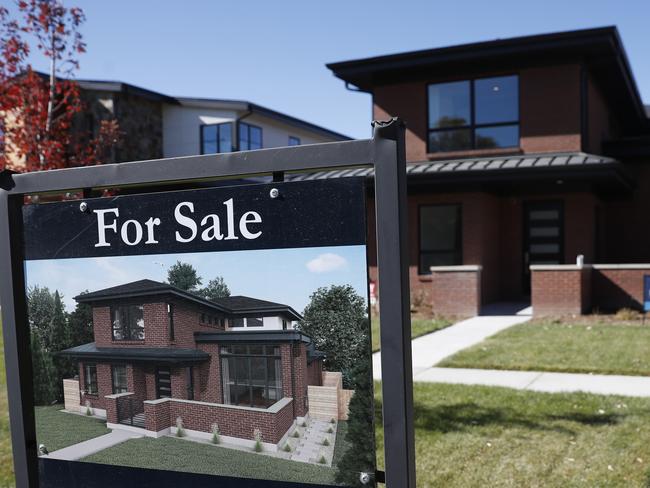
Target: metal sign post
{"x": 384, "y": 153}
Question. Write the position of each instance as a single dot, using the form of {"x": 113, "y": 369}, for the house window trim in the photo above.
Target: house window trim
{"x": 113, "y": 308}
{"x": 459, "y": 233}
{"x": 472, "y": 126}
{"x": 87, "y": 383}
{"x": 201, "y": 126}
{"x": 223, "y": 356}
{"x": 126, "y": 376}
{"x": 239, "y": 132}
{"x": 295, "y": 139}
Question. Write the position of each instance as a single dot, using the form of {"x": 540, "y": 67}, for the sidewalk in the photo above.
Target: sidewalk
{"x": 636, "y": 386}
{"x": 91, "y": 446}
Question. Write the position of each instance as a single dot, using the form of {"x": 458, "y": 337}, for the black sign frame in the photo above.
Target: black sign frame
{"x": 384, "y": 153}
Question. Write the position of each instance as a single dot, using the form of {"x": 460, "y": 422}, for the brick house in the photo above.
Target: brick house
{"x": 523, "y": 155}
{"x": 161, "y": 353}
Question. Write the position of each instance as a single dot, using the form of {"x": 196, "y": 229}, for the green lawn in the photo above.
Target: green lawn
{"x": 419, "y": 327}
{"x": 497, "y": 437}
{"x": 598, "y": 347}
{"x": 181, "y": 455}
{"x": 6, "y": 461}
{"x": 56, "y": 429}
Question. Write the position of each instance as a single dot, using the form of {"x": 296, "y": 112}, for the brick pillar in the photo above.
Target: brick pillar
{"x": 560, "y": 289}
{"x": 300, "y": 379}
{"x": 111, "y": 409}
{"x": 456, "y": 290}
{"x": 157, "y": 415}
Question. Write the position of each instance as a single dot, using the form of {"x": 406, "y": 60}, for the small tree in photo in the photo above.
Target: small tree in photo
{"x": 44, "y": 374}
{"x": 216, "y": 288}
{"x": 257, "y": 437}
{"x": 184, "y": 276}
{"x": 180, "y": 429}
{"x": 216, "y": 436}
{"x": 336, "y": 319}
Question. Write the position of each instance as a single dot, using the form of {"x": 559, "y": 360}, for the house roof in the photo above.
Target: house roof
{"x": 218, "y": 103}
{"x": 495, "y": 164}
{"x": 145, "y": 354}
{"x": 235, "y": 305}
{"x": 600, "y": 50}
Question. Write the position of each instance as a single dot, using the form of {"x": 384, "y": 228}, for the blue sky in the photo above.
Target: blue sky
{"x": 286, "y": 275}
{"x": 274, "y": 53}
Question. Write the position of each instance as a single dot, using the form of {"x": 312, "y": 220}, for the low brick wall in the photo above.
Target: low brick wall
{"x": 617, "y": 286}
{"x": 560, "y": 289}
{"x": 233, "y": 421}
{"x": 456, "y": 290}
{"x": 110, "y": 402}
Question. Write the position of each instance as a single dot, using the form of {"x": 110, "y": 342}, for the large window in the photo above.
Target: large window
{"x": 294, "y": 141}
{"x": 440, "y": 236}
{"x": 252, "y": 375}
{"x": 474, "y": 114}
{"x": 216, "y": 138}
{"x": 250, "y": 137}
{"x": 90, "y": 379}
{"x": 128, "y": 323}
{"x": 246, "y": 322}
{"x": 119, "y": 379}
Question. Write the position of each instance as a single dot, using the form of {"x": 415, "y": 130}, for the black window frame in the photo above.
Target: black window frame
{"x": 127, "y": 331}
{"x": 90, "y": 387}
{"x": 170, "y": 320}
{"x": 473, "y": 126}
{"x": 458, "y": 251}
{"x": 225, "y": 354}
{"x": 114, "y": 386}
{"x": 218, "y": 141}
{"x": 189, "y": 379}
{"x": 296, "y": 141}
{"x": 248, "y": 134}
{"x": 166, "y": 371}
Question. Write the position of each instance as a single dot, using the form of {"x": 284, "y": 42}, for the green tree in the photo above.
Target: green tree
{"x": 183, "y": 276}
{"x": 217, "y": 288}
{"x": 336, "y": 319}
{"x": 360, "y": 438}
{"x": 80, "y": 325}
{"x": 44, "y": 373}
{"x": 40, "y": 305}
{"x": 58, "y": 340}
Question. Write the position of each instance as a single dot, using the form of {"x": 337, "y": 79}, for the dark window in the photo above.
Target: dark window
{"x": 254, "y": 322}
{"x": 170, "y": 317}
{"x": 252, "y": 375}
{"x": 250, "y": 137}
{"x": 294, "y": 141}
{"x": 474, "y": 114}
{"x": 189, "y": 371}
{"x": 90, "y": 379}
{"x": 163, "y": 383}
{"x": 284, "y": 324}
{"x": 216, "y": 138}
{"x": 128, "y": 323}
{"x": 440, "y": 236}
{"x": 237, "y": 322}
{"x": 203, "y": 318}
{"x": 119, "y": 379}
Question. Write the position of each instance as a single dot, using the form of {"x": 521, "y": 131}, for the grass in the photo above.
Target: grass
{"x": 57, "y": 430}
{"x": 579, "y": 347}
{"x": 419, "y": 327}
{"x": 498, "y": 437}
{"x": 6, "y": 460}
{"x": 180, "y": 455}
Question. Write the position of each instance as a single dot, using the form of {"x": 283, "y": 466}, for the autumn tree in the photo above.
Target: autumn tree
{"x": 38, "y": 112}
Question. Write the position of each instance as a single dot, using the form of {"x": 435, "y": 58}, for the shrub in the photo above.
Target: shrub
{"x": 332, "y": 421}
{"x": 326, "y": 442}
{"x": 626, "y": 314}
{"x": 216, "y": 437}
{"x": 322, "y": 460}
{"x": 89, "y": 410}
{"x": 257, "y": 436}
{"x": 287, "y": 447}
{"x": 330, "y": 430}
{"x": 180, "y": 430}
{"x": 304, "y": 423}
{"x": 295, "y": 434}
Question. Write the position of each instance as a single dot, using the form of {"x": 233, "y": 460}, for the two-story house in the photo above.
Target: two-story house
{"x": 161, "y": 353}
{"x": 528, "y": 170}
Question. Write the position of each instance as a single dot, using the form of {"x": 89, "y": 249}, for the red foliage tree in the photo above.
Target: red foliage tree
{"x": 38, "y": 112}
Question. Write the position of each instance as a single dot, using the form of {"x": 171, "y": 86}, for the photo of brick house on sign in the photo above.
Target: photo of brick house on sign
{"x": 257, "y": 357}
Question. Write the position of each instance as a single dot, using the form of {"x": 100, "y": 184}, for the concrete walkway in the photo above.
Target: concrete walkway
{"x": 635, "y": 386}
{"x": 432, "y": 348}
{"x": 91, "y": 446}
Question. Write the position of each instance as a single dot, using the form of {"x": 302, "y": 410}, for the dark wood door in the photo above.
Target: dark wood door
{"x": 543, "y": 235}
{"x": 163, "y": 383}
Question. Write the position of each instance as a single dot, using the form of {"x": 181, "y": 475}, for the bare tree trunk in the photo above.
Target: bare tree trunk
{"x": 50, "y": 101}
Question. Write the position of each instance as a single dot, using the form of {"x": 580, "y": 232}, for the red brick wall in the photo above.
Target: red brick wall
{"x": 300, "y": 379}
{"x": 208, "y": 382}
{"x": 157, "y": 417}
{"x": 456, "y": 292}
{"x": 315, "y": 373}
{"x": 559, "y": 292}
{"x": 104, "y": 385}
{"x": 614, "y": 289}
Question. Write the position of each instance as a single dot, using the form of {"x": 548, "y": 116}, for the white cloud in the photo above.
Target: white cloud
{"x": 327, "y": 262}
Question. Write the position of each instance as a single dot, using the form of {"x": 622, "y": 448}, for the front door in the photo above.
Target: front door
{"x": 163, "y": 383}
{"x": 543, "y": 235}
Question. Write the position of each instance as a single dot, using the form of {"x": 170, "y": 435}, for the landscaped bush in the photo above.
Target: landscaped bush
{"x": 322, "y": 460}
{"x": 180, "y": 430}
{"x": 216, "y": 437}
{"x": 295, "y": 434}
{"x": 330, "y": 430}
{"x": 627, "y": 314}
{"x": 287, "y": 447}
{"x": 304, "y": 423}
{"x": 89, "y": 410}
{"x": 326, "y": 442}
{"x": 257, "y": 436}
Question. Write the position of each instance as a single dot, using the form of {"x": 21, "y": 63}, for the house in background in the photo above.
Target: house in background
{"x": 527, "y": 157}
{"x": 161, "y": 353}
